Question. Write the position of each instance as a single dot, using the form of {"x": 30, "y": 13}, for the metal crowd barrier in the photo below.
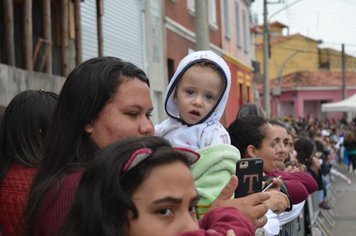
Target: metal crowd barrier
{"x": 320, "y": 220}
{"x": 295, "y": 227}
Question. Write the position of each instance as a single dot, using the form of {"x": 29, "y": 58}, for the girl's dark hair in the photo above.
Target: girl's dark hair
{"x": 247, "y": 130}
{"x": 103, "y": 199}
{"x": 305, "y": 148}
{"x": 24, "y": 127}
{"x": 84, "y": 94}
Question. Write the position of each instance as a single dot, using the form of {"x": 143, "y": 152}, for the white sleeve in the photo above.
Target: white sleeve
{"x": 286, "y": 217}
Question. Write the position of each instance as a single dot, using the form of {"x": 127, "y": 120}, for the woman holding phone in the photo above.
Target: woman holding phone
{"x": 254, "y": 136}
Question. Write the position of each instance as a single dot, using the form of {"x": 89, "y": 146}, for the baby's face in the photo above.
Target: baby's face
{"x": 197, "y": 93}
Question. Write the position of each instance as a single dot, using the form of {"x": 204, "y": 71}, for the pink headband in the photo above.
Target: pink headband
{"x": 141, "y": 154}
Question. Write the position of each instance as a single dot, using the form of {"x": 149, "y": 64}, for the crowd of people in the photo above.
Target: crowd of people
{"x": 89, "y": 161}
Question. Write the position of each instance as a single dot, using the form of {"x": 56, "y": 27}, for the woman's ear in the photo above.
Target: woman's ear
{"x": 89, "y": 128}
{"x": 251, "y": 151}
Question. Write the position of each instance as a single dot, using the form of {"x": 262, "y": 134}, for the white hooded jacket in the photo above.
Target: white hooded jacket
{"x": 209, "y": 131}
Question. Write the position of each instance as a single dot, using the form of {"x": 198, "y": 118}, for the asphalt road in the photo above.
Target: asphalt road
{"x": 345, "y": 206}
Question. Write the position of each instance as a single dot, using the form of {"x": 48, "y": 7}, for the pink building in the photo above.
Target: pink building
{"x": 302, "y": 93}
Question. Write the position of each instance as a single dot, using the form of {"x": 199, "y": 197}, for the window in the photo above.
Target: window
{"x": 211, "y": 12}
{"x": 226, "y": 18}
{"x": 191, "y": 7}
{"x": 237, "y": 23}
{"x": 248, "y": 94}
{"x": 241, "y": 93}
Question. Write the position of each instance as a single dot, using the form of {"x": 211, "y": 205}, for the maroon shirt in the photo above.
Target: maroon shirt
{"x": 14, "y": 192}
{"x": 221, "y": 220}
{"x": 56, "y": 205}
{"x": 299, "y": 184}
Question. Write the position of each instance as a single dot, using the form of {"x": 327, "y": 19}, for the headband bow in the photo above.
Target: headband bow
{"x": 143, "y": 153}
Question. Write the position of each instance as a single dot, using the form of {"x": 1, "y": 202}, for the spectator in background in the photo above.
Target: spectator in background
{"x": 350, "y": 145}
{"x": 23, "y": 131}
{"x": 254, "y": 136}
{"x": 307, "y": 154}
{"x": 291, "y": 162}
{"x": 282, "y": 140}
{"x": 253, "y": 131}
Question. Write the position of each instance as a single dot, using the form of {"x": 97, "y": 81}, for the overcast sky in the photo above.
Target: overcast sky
{"x": 332, "y": 21}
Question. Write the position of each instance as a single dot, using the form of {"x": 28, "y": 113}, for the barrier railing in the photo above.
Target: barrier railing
{"x": 320, "y": 221}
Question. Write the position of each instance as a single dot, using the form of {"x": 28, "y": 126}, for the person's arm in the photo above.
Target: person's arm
{"x": 307, "y": 180}
{"x": 220, "y": 220}
{"x": 296, "y": 190}
{"x": 299, "y": 185}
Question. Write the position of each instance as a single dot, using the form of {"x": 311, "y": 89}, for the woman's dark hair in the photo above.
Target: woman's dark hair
{"x": 319, "y": 146}
{"x": 248, "y": 130}
{"x": 250, "y": 109}
{"x": 88, "y": 88}
{"x": 24, "y": 127}
{"x": 277, "y": 123}
{"x": 305, "y": 148}
{"x": 103, "y": 199}
{"x": 2, "y": 110}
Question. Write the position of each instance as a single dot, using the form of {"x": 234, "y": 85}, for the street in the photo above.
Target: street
{"x": 345, "y": 211}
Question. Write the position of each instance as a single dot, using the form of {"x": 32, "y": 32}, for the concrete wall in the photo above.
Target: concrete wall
{"x": 14, "y": 80}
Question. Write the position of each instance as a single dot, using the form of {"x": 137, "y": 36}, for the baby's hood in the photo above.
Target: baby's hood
{"x": 169, "y": 104}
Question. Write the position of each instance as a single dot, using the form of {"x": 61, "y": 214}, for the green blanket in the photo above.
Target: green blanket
{"x": 212, "y": 172}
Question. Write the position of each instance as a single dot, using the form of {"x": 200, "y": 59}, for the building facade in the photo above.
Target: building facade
{"x": 302, "y": 75}
{"x": 238, "y": 48}
{"x": 302, "y": 93}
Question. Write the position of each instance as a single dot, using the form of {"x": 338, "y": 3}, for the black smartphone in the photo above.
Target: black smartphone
{"x": 249, "y": 172}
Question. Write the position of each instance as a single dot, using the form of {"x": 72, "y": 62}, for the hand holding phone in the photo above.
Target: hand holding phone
{"x": 249, "y": 173}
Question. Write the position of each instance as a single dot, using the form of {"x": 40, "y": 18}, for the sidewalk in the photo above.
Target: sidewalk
{"x": 345, "y": 211}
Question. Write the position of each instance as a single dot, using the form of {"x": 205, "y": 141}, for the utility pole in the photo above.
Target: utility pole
{"x": 343, "y": 68}
{"x": 266, "y": 91}
{"x": 202, "y": 25}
